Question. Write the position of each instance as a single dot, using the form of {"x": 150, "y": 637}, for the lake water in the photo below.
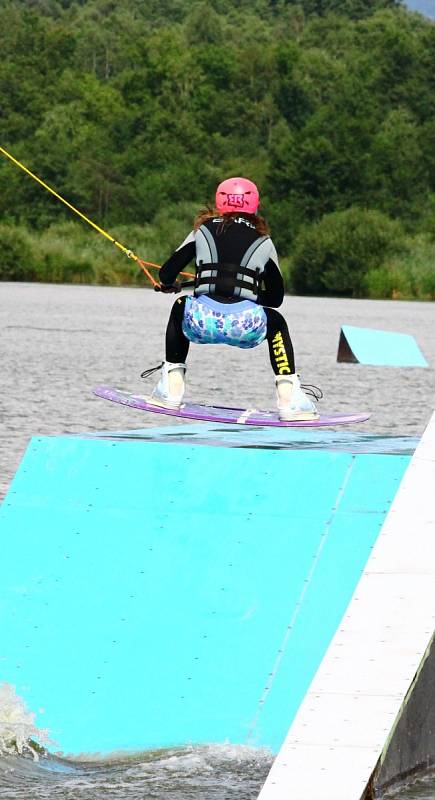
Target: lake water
{"x": 57, "y": 343}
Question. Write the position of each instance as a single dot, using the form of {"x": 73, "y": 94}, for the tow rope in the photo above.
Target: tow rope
{"x": 129, "y": 253}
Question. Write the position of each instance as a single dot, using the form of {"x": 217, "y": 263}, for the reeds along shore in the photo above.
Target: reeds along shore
{"x": 66, "y": 253}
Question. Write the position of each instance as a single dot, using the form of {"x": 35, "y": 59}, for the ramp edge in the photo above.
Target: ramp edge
{"x": 337, "y": 736}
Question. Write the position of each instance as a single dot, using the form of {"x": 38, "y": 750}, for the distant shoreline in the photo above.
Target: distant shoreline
{"x": 83, "y": 284}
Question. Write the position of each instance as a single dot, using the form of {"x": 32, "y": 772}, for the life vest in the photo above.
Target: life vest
{"x": 226, "y": 279}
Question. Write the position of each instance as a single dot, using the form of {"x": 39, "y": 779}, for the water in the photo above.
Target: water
{"x": 203, "y": 773}
{"x": 57, "y": 342}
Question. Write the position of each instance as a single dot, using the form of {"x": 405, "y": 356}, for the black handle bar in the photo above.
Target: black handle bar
{"x": 182, "y": 285}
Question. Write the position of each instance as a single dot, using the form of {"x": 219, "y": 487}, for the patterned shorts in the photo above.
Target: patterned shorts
{"x": 206, "y": 321}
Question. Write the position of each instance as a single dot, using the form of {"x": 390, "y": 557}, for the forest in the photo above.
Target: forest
{"x": 135, "y": 111}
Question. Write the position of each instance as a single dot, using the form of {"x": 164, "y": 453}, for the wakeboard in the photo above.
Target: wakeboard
{"x": 238, "y": 416}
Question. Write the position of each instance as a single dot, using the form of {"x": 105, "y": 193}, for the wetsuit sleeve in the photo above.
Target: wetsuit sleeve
{"x": 178, "y": 260}
{"x": 272, "y": 292}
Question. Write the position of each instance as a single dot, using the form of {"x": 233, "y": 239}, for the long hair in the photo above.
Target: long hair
{"x": 258, "y": 222}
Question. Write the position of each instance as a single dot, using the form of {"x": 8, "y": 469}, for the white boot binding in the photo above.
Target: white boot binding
{"x": 293, "y": 403}
{"x": 169, "y": 391}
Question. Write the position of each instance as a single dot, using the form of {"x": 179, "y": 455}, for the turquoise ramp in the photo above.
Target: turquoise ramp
{"x": 154, "y": 594}
{"x": 379, "y": 348}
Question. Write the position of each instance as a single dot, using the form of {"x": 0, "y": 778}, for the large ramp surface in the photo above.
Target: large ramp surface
{"x": 155, "y": 594}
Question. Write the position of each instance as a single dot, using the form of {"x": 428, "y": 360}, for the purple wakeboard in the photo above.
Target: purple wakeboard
{"x": 239, "y": 416}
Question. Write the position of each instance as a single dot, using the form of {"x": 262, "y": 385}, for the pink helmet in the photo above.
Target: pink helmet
{"x": 237, "y": 194}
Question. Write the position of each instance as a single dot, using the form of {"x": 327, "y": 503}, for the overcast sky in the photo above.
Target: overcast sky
{"x": 424, "y": 6}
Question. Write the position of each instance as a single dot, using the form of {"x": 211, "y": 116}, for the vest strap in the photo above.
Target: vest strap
{"x": 227, "y": 280}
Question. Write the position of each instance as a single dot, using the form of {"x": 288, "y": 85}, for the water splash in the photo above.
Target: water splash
{"x": 18, "y": 732}
{"x": 204, "y": 772}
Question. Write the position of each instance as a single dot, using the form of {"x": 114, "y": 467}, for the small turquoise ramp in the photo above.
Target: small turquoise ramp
{"x": 156, "y": 594}
{"x": 378, "y": 348}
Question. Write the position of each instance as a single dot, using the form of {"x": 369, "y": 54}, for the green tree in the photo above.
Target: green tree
{"x": 354, "y": 9}
{"x": 129, "y": 109}
{"x": 334, "y": 255}
{"x": 203, "y": 25}
{"x": 399, "y": 182}
{"x": 17, "y": 261}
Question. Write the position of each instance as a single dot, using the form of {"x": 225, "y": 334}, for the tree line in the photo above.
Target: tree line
{"x": 135, "y": 111}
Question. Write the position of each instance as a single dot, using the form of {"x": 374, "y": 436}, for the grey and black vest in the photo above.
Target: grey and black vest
{"x": 230, "y": 264}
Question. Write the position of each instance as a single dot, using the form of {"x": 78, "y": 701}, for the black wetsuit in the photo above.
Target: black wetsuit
{"x": 229, "y": 242}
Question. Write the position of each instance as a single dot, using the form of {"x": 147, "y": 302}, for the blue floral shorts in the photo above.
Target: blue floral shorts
{"x": 206, "y": 321}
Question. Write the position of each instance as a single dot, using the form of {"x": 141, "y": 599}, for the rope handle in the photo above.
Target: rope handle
{"x": 175, "y": 288}
{"x": 129, "y": 253}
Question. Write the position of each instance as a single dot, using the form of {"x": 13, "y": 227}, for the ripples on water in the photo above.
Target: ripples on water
{"x": 57, "y": 342}
{"x": 419, "y": 787}
{"x": 218, "y": 772}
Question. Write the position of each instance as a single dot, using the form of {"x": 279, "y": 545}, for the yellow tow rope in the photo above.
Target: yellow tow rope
{"x": 143, "y": 264}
